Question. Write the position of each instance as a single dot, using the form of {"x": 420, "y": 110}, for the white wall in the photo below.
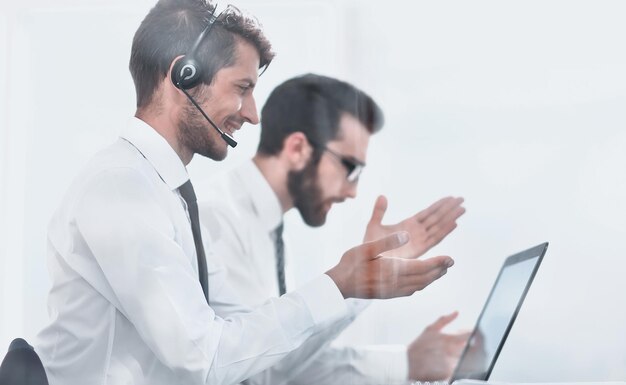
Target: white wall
{"x": 517, "y": 106}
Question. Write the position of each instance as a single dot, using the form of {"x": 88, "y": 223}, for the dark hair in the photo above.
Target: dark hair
{"x": 313, "y": 104}
{"x": 170, "y": 29}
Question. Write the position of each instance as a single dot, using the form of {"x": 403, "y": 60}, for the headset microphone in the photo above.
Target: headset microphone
{"x": 187, "y": 74}
{"x": 227, "y": 138}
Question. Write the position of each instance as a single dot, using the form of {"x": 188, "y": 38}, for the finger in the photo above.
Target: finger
{"x": 440, "y": 214}
{"x": 444, "y": 320}
{"x": 412, "y": 284}
{"x": 437, "y": 234}
{"x": 380, "y": 207}
{"x": 450, "y": 216}
{"x": 372, "y": 250}
{"x": 463, "y": 337}
{"x": 454, "y": 347}
{"x": 433, "y": 208}
{"x": 456, "y": 342}
{"x": 415, "y": 282}
{"x": 431, "y": 277}
{"x": 426, "y": 266}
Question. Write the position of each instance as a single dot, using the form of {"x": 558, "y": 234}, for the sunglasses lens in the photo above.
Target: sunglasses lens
{"x": 355, "y": 173}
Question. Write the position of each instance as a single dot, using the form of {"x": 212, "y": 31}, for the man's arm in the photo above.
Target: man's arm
{"x": 329, "y": 365}
{"x": 316, "y": 361}
{"x": 432, "y": 356}
{"x": 157, "y": 289}
{"x": 231, "y": 235}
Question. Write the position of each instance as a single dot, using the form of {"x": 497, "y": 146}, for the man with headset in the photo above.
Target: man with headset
{"x": 314, "y": 137}
{"x": 134, "y": 298}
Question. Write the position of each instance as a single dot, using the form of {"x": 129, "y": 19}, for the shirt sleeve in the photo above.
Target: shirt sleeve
{"x": 134, "y": 241}
{"x": 318, "y": 362}
{"x": 363, "y": 365}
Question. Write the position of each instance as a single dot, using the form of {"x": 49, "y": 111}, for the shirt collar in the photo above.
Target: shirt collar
{"x": 264, "y": 199}
{"x": 157, "y": 151}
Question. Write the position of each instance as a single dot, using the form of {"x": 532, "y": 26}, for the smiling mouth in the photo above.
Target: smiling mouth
{"x": 231, "y": 126}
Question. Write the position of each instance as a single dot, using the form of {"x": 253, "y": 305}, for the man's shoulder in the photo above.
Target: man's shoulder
{"x": 118, "y": 155}
{"x": 113, "y": 178}
{"x": 118, "y": 164}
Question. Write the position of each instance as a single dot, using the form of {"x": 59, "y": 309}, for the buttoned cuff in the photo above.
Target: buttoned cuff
{"x": 324, "y": 300}
{"x": 356, "y": 306}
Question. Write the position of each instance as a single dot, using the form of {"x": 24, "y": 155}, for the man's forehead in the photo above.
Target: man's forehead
{"x": 245, "y": 66}
{"x": 352, "y": 137}
{"x": 247, "y": 58}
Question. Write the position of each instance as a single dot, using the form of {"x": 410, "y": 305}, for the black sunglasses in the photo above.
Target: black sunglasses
{"x": 354, "y": 167}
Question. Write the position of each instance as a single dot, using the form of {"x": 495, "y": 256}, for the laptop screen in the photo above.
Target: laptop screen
{"x": 498, "y": 315}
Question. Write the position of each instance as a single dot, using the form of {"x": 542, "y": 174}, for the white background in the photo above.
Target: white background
{"x": 517, "y": 106}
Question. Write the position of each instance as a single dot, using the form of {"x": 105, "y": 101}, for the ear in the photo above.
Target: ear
{"x": 170, "y": 88}
{"x": 296, "y": 151}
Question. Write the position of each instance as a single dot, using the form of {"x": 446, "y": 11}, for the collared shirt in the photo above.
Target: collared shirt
{"x": 241, "y": 212}
{"x": 126, "y": 303}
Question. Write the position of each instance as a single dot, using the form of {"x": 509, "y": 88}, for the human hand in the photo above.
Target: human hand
{"x": 433, "y": 355}
{"x": 363, "y": 272}
{"x": 475, "y": 359}
{"x": 426, "y": 228}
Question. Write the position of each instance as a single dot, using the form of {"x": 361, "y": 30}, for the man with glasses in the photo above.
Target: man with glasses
{"x": 314, "y": 136}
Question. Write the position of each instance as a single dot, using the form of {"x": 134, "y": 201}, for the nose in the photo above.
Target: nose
{"x": 249, "y": 111}
{"x": 350, "y": 189}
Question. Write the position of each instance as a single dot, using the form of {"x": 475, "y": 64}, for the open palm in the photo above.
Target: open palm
{"x": 426, "y": 228}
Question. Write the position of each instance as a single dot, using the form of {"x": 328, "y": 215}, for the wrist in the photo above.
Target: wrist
{"x": 336, "y": 276}
{"x": 413, "y": 369}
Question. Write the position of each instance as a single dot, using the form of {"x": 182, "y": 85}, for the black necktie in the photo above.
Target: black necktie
{"x": 280, "y": 259}
{"x": 186, "y": 191}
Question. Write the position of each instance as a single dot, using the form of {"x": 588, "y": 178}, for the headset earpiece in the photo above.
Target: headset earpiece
{"x": 186, "y": 73}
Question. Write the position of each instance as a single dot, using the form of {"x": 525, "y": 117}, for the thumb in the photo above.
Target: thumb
{"x": 380, "y": 206}
{"x": 372, "y": 250}
{"x": 444, "y": 320}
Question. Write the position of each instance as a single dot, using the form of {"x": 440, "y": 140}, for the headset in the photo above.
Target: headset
{"x": 187, "y": 74}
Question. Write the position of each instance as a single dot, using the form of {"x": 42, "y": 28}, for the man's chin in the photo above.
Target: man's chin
{"x": 314, "y": 222}
{"x": 216, "y": 154}
{"x": 218, "y": 157}
{"x": 316, "y": 219}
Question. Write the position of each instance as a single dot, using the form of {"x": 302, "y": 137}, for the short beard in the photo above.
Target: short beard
{"x": 193, "y": 133}
{"x": 306, "y": 194}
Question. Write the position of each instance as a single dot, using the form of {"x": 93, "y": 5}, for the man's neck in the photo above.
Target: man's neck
{"x": 276, "y": 175}
{"x": 165, "y": 129}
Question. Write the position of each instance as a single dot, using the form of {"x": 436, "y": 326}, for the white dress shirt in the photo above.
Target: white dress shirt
{"x": 126, "y": 303}
{"x": 241, "y": 212}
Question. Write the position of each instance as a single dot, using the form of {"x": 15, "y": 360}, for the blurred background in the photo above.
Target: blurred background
{"x": 518, "y": 106}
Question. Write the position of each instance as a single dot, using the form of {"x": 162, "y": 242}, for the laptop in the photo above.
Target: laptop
{"x": 498, "y": 315}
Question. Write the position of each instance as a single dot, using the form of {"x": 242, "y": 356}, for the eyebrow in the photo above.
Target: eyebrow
{"x": 348, "y": 156}
{"x": 355, "y": 160}
{"x": 251, "y": 82}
